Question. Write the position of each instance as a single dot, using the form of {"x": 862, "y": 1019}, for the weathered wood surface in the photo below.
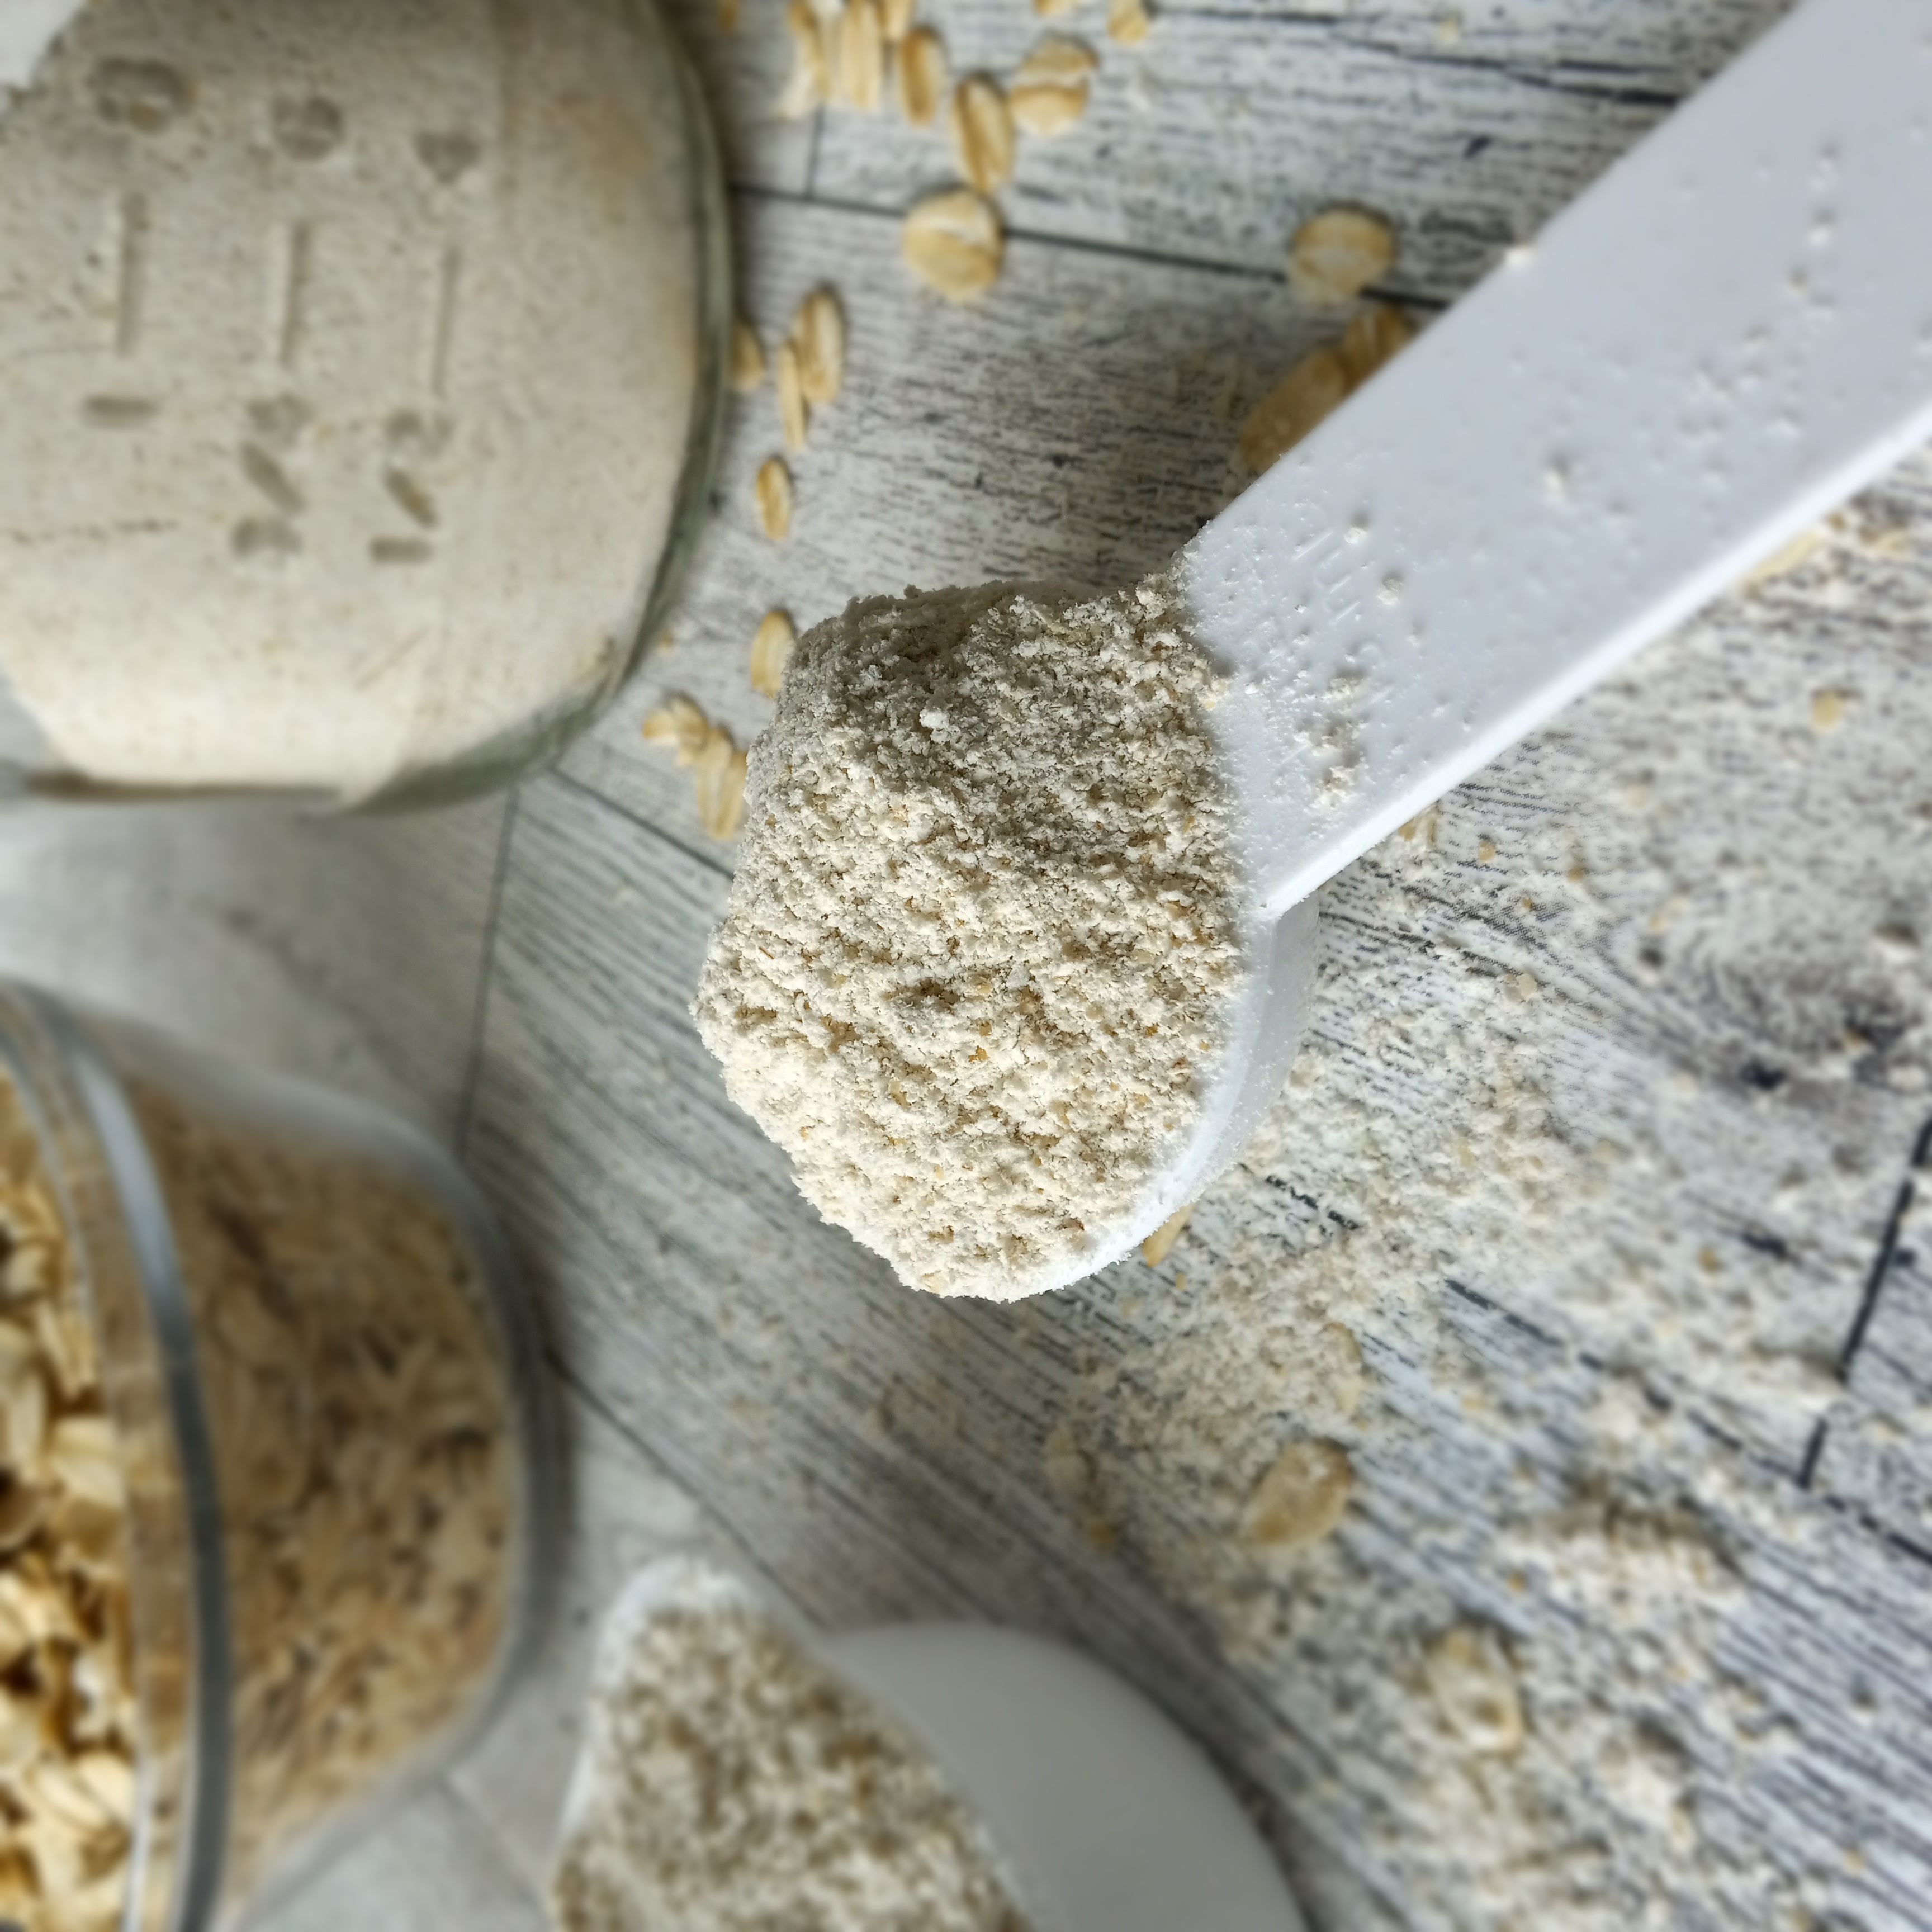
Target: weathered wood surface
{"x": 1719, "y": 1054}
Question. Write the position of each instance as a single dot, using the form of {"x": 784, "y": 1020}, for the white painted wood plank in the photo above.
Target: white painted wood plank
{"x": 346, "y": 950}
{"x": 1215, "y": 138}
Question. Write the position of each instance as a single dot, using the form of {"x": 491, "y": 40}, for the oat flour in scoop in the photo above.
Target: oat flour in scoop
{"x": 1017, "y": 946}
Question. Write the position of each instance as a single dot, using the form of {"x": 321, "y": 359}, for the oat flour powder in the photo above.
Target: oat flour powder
{"x": 983, "y": 932}
{"x": 729, "y": 1782}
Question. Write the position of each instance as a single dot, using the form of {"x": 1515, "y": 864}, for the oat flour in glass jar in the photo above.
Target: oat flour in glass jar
{"x": 364, "y": 361}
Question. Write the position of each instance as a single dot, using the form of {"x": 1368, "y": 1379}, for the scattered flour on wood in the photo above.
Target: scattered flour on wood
{"x": 1580, "y": 1650}
{"x": 983, "y": 934}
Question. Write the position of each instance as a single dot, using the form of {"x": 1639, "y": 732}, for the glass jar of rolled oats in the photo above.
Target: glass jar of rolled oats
{"x": 272, "y": 1468}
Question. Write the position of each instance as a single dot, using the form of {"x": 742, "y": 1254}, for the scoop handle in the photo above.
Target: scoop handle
{"x": 1711, "y": 347}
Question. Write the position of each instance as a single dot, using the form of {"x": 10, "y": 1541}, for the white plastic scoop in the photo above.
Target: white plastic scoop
{"x": 1718, "y": 342}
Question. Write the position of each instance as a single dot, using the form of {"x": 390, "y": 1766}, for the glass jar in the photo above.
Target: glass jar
{"x": 378, "y": 352}
{"x": 275, "y": 1474}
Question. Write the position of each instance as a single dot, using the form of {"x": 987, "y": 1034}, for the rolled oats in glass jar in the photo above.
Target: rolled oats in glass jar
{"x": 274, "y": 1462}
{"x": 378, "y": 349}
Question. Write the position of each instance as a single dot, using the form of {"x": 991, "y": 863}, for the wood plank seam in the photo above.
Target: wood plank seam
{"x": 1891, "y": 1539}
{"x": 710, "y": 860}
{"x": 1597, "y": 1364}
{"x": 1804, "y": 1475}
{"x": 1880, "y": 1271}
{"x": 1588, "y": 84}
{"x": 1552, "y": 81}
{"x": 1875, "y": 1282}
{"x": 1072, "y": 245}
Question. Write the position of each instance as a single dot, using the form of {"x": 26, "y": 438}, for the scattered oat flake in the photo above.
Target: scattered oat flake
{"x": 1128, "y": 22}
{"x": 862, "y": 55}
{"x": 809, "y": 86}
{"x": 1064, "y": 1464}
{"x": 1337, "y": 253}
{"x": 718, "y": 765}
{"x": 921, "y": 76}
{"x": 1313, "y": 389}
{"x": 895, "y": 19}
{"x": 1301, "y": 1497}
{"x": 775, "y": 498}
{"x": 1828, "y": 710}
{"x": 1474, "y": 1683}
{"x": 1052, "y": 10}
{"x": 770, "y": 648}
{"x": 1159, "y": 1244}
{"x": 819, "y": 333}
{"x": 680, "y": 724}
{"x": 720, "y": 772}
{"x": 1060, "y": 60}
{"x": 729, "y": 13}
{"x": 1375, "y": 335}
{"x": 1321, "y": 382}
{"x": 983, "y": 133}
{"x": 1888, "y": 540}
{"x": 953, "y": 243}
{"x": 1787, "y": 557}
{"x": 794, "y": 411}
{"x": 748, "y": 357}
{"x": 1046, "y": 108}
